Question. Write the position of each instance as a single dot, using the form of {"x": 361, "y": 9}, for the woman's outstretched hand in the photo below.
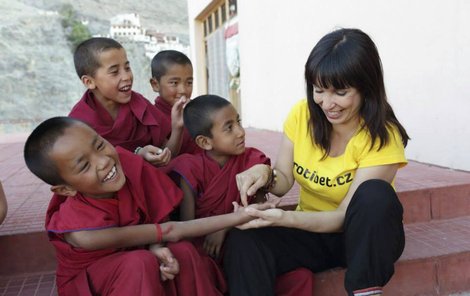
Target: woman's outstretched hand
{"x": 251, "y": 180}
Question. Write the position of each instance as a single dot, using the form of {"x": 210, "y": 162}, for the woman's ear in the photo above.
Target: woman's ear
{"x": 64, "y": 190}
{"x": 204, "y": 142}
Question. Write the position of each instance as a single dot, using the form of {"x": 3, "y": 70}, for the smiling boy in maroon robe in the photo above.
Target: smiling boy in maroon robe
{"x": 103, "y": 218}
{"x": 123, "y": 117}
{"x": 208, "y": 179}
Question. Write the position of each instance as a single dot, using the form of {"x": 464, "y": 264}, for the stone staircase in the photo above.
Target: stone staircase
{"x": 436, "y": 260}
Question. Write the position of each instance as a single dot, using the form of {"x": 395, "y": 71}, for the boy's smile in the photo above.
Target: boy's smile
{"x": 87, "y": 163}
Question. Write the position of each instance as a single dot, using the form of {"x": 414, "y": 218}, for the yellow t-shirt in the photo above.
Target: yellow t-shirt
{"x": 324, "y": 183}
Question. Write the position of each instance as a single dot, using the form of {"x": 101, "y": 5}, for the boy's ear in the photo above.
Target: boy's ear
{"x": 204, "y": 142}
{"x": 88, "y": 81}
{"x": 64, "y": 190}
{"x": 155, "y": 84}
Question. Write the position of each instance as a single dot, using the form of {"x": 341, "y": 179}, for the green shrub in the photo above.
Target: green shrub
{"x": 75, "y": 31}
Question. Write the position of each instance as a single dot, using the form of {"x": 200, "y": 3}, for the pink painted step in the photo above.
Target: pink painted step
{"x": 30, "y": 284}
{"x": 436, "y": 261}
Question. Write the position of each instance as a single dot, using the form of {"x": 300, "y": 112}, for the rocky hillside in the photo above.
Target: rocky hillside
{"x": 37, "y": 77}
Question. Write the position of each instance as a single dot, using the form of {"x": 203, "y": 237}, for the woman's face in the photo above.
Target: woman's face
{"x": 340, "y": 106}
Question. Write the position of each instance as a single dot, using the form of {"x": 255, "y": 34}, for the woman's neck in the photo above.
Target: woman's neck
{"x": 347, "y": 130}
{"x": 340, "y": 136}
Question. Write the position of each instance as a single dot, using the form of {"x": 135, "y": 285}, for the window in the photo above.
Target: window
{"x": 216, "y": 18}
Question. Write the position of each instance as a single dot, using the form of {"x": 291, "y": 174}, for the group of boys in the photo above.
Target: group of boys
{"x": 120, "y": 167}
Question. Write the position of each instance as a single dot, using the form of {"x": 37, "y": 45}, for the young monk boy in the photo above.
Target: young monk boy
{"x": 104, "y": 218}
{"x": 123, "y": 117}
{"x": 172, "y": 79}
{"x": 208, "y": 179}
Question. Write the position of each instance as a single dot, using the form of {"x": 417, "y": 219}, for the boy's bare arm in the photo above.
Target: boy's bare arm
{"x": 176, "y": 138}
{"x": 113, "y": 237}
{"x": 187, "y": 206}
{"x": 175, "y": 141}
{"x": 139, "y": 235}
{"x": 3, "y": 204}
{"x": 177, "y": 230}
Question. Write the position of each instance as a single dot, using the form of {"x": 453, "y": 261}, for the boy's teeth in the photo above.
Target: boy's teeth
{"x": 110, "y": 174}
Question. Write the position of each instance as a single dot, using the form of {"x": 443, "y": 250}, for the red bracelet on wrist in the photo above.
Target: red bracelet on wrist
{"x": 159, "y": 233}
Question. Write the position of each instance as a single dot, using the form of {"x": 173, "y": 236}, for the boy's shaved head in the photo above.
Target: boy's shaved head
{"x": 197, "y": 114}
{"x": 86, "y": 55}
{"x": 165, "y": 59}
{"x": 39, "y": 144}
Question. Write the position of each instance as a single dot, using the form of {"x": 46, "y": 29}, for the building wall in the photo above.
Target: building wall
{"x": 425, "y": 51}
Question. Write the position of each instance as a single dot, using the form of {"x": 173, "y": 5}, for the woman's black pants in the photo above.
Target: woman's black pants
{"x": 372, "y": 240}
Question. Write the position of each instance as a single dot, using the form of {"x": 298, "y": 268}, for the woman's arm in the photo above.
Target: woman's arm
{"x": 256, "y": 177}
{"x": 327, "y": 221}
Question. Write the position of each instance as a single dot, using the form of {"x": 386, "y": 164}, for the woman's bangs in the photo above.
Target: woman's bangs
{"x": 331, "y": 72}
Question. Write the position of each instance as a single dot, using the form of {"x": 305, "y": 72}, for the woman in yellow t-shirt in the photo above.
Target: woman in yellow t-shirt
{"x": 343, "y": 145}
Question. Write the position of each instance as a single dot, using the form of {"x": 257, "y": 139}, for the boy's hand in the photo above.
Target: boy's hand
{"x": 169, "y": 266}
{"x": 261, "y": 212}
{"x": 177, "y": 113}
{"x": 269, "y": 217}
{"x": 271, "y": 203}
{"x": 155, "y": 155}
{"x": 213, "y": 243}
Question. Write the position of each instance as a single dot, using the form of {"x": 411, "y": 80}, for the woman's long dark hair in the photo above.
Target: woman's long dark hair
{"x": 349, "y": 58}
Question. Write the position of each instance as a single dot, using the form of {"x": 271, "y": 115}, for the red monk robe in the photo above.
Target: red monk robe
{"x": 188, "y": 144}
{"x": 137, "y": 124}
{"x": 215, "y": 189}
{"x": 148, "y": 196}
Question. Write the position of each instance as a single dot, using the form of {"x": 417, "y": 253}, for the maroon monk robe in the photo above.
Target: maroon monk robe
{"x": 138, "y": 122}
{"x": 148, "y": 196}
{"x": 188, "y": 144}
{"x": 215, "y": 189}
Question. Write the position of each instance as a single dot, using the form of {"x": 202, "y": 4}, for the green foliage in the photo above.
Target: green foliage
{"x": 78, "y": 34}
{"x": 75, "y": 30}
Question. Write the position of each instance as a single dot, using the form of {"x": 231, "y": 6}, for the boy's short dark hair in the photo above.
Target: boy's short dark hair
{"x": 166, "y": 58}
{"x": 39, "y": 144}
{"x": 86, "y": 55}
{"x": 198, "y": 113}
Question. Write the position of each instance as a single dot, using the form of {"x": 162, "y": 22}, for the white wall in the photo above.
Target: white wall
{"x": 425, "y": 50}
{"x": 196, "y": 36}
